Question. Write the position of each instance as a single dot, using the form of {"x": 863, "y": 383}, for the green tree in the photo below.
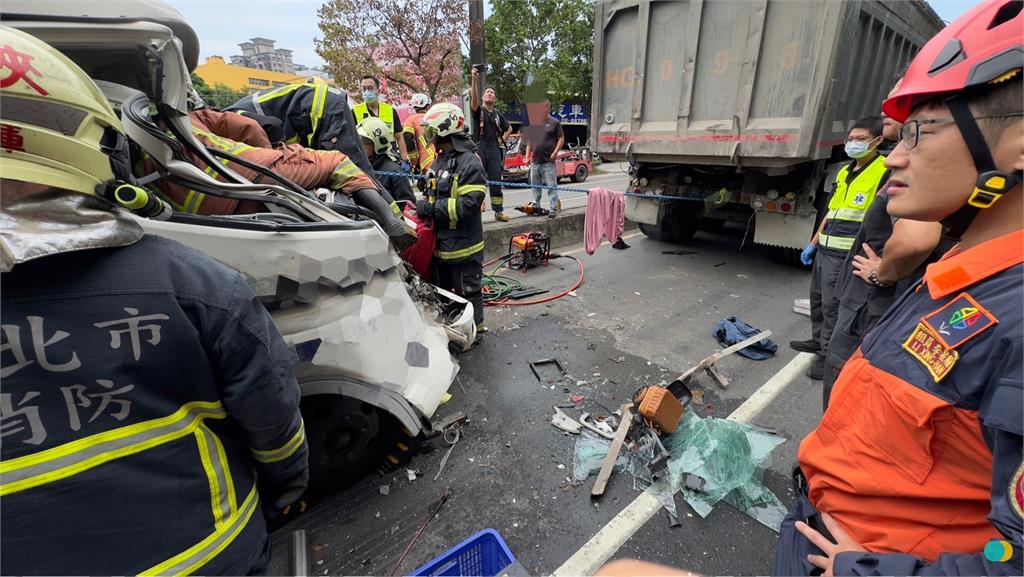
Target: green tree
{"x": 553, "y": 38}
{"x": 218, "y": 95}
{"x": 412, "y": 44}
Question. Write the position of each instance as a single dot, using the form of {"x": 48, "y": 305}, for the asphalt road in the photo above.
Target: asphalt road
{"x": 612, "y": 175}
{"x": 641, "y": 317}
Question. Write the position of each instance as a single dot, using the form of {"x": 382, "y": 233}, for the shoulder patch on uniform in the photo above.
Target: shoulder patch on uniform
{"x": 1017, "y": 491}
{"x": 926, "y": 347}
{"x": 959, "y": 321}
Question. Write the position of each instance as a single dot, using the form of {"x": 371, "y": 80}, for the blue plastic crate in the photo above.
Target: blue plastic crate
{"x": 484, "y": 554}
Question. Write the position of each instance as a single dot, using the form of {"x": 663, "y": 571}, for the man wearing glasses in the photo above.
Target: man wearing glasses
{"x": 855, "y": 188}
{"x": 916, "y": 467}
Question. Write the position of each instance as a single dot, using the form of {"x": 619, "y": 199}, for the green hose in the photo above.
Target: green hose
{"x": 497, "y": 287}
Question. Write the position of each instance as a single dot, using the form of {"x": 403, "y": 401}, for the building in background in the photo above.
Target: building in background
{"x": 258, "y": 67}
{"x": 261, "y": 54}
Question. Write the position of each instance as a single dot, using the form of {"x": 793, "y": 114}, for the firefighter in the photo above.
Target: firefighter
{"x": 379, "y": 144}
{"x": 916, "y": 467}
{"x": 373, "y": 106}
{"x": 421, "y": 154}
{"x": 455, "y": 194}
{"x": 310, "y": 169}
{"x": 312, "y": 115}
{"x": 148, "y": 403}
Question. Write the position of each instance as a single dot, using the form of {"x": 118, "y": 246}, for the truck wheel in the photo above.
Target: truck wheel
{"x": 581, "y": 173}
{"x": 661, "y": 231}
{"x": 347, "y": 438}
{"x": 684, "y": 223}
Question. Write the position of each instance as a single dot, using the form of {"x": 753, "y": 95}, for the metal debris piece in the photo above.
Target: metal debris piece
{"x": 599, "y": 427}
{"x": 564, "y": 422}
{"x": 451, "y": 439}
{"x": 384, "y": 489}
{"x": 534, "y": 365}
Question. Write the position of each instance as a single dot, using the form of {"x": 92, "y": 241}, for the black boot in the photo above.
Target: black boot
{"x": 808, "y": 346}
{"x": 401, "y": 234}
{"x": 817, "y": 369}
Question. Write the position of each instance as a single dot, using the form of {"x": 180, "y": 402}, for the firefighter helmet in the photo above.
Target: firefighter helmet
{"x": 376, "y": 131}
{"x": 443, "y": 119}
{"x": 420, "y": 101}
{"x": 58, "y": 129}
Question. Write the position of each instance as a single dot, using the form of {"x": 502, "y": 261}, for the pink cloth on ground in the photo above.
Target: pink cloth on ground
{"x": 605, "y": 216}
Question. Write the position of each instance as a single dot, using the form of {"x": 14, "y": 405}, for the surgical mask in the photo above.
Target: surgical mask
{"x": 369, "y": 96}
{"x": 858, "y": 148}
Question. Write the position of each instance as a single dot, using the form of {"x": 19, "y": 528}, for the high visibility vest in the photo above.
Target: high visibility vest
{"x": 384, "y": 112}
{"x": 849, "y": 204}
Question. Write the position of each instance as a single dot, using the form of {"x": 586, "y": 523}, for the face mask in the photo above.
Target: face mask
{"x": 858, "y": 149}
{"x": 369, "y": 96}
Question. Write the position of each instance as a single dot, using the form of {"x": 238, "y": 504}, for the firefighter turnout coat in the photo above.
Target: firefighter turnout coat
{"x": 312, "y": 115}
{"x": 148, "y": 405}
{"x": 457, "y": 193}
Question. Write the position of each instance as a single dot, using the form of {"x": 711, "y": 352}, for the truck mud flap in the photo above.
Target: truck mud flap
{"x": 642, "y": 210}
{"x": 783, "y": 230}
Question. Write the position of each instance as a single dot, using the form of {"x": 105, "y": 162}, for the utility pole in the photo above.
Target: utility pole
{"x": 477, "y": 56}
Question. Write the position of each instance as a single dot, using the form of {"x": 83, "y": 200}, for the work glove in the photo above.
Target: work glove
{"x": 807, "y": 256}
{"x": 424, "y": 208}
{"x": 406, "y": 166}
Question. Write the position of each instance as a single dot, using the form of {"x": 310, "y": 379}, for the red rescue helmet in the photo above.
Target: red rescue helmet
{"x": 983, "y": 46}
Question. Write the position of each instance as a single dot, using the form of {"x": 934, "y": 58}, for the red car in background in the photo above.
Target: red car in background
{"x": 574, "y": 163}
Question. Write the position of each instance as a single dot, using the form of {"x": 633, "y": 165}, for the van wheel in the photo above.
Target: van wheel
{"x": 347, "y": 438}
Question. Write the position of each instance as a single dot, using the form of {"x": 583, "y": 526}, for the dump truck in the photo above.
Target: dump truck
{"x": 737, "y": 111}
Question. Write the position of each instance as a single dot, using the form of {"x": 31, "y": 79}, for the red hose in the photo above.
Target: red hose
{"x": 512, "y": 303}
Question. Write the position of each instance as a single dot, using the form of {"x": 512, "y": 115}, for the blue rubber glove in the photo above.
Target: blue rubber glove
{"x": 406, "y": 166}
{"x": 807, "y": 256}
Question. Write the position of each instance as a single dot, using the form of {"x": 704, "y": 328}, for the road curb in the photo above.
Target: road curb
{"x": 566, "y": 229}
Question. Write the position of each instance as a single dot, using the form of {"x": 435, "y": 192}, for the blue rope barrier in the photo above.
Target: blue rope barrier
{"x": 504, "y": 184}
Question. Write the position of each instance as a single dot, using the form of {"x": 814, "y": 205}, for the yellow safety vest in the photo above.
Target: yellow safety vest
{"x": 849, "y": 204}
{"x": 384, "y": 112}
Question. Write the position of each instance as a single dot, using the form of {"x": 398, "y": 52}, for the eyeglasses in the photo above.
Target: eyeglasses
{"x": 910, "y": 133}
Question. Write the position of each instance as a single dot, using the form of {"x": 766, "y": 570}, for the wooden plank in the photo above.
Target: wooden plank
{"x": 613, "y": 451}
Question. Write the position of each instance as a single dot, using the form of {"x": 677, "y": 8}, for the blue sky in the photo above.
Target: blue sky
{"x": 222, "y": 24}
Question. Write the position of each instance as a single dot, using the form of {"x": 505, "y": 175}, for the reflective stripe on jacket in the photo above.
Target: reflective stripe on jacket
{"x": 458, "y": 196}
{"x": 919, "y": 455}
{"x": 850, "y": 202}
{"x": 313, "y": 115}
{"x": 308, "y": 168}
{"x": 141, "y": 400}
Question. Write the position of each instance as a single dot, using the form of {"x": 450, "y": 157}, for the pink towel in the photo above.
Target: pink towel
{"x": 606, "y": 216}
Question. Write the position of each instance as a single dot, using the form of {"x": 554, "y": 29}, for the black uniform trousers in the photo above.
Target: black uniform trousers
{"x": 493, "y": 159}
{"x": 464, "y": 279}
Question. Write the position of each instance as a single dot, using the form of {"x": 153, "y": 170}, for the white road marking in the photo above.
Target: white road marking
{"x": 600, "y": 548}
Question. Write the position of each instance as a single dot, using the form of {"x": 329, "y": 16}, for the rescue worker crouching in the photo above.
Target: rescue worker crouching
{"x": 916, "y": 467}
{"x": 455, "y": 192}
{"x": 148, "y": 402}
{"x": 378, "y": 142}
{"x": 315, "y": 116}
{"x": 308, "y": 168}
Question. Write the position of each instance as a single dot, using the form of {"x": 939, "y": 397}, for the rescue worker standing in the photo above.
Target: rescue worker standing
{"x": 855, "y": 188}
{"x": 373, "y": 106}
{"x": 379, "y": 145}
{"x": 148, "y": 400}
{"x": 421, "y": 154}
{"x": 916, "y": 467}
{"x": 315, "y": 116}
{"x": 455, "y": 193}
{"x": 490, "y": 130}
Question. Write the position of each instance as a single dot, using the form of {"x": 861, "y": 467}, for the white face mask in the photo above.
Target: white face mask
{"x": 858, "y": 148}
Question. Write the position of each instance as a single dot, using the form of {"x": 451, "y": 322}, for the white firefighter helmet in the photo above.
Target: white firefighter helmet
{"x": 376, "y": 131}
{"x": 443, "y": 119}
